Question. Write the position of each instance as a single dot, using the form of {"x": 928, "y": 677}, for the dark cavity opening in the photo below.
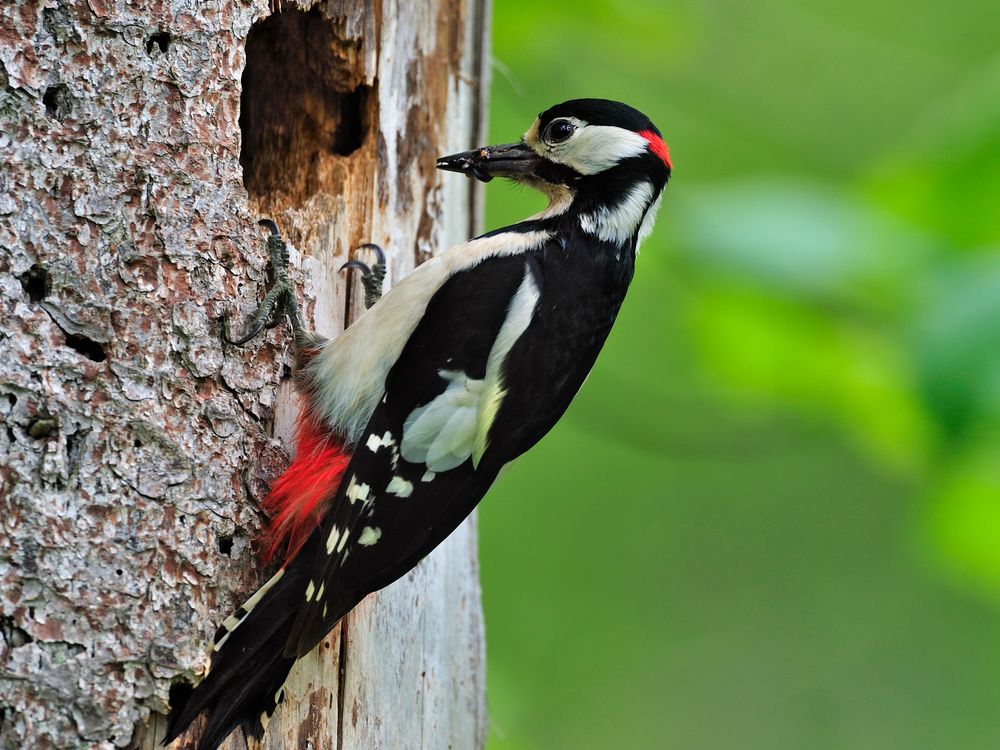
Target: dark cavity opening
{"x": 89, "y": 348}
{"x": 225, "y": 544}
{"x": 36, "y": 282}
{"x": 303, "y": 105}
{"x": 58, "y": 101}
{"x": 161, "y": 40}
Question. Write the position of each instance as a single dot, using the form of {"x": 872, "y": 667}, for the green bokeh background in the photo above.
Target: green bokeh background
{"x": 771, "y": 519}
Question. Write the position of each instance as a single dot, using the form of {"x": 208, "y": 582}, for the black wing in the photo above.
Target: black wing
{"x": 392, "y": 511}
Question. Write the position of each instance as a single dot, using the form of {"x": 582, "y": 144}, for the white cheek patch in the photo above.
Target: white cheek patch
{"x": 596, "y": 148}
{"x": 619, "y": 222}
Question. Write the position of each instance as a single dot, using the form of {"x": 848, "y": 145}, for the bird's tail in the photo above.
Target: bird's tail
{"x": 248, "y": 665}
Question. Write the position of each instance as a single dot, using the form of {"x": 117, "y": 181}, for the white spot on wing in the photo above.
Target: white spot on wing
{"x": 343, "y": 541}
{"x": 369, "y": 536}
{"x": 375, "y": 442}
{"x": 310, "y": 590}
{"x": 428, "y": 476}
{"x": 331, "y": 541}
{"x": 357, "y": 491}
{"x": 399, "y": 487}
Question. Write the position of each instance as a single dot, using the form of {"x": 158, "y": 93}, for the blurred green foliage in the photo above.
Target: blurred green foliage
{"x": 771, "y": 519}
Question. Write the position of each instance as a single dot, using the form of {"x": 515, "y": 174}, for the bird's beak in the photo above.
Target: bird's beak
{"x": 508, "y": 160}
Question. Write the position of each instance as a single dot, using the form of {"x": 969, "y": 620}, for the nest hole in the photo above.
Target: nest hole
{"x": 36, "y": 282}
{"x": 225, "y": 544}
{"x": 160, "y": 39}
{"x": 58, "y": 101}
{"x": 303, "y": 105}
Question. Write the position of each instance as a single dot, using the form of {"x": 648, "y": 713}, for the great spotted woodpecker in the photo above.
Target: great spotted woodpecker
{"x": 410, "y": 414}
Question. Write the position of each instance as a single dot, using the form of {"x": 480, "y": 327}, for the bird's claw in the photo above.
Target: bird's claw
{"x": 280, "y": 299}
{"x": 371, "y": 276}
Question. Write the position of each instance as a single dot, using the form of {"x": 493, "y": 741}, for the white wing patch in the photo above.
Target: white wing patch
{"x": 357, "y": 491}
{"x": 455, "y": 425}
{"x": 522, "y": 309}
{"x": 441, "y": 433}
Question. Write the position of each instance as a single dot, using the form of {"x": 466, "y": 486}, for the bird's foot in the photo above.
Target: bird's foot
{"x": 280, "y": 299}
{"x": 371, "y": 276}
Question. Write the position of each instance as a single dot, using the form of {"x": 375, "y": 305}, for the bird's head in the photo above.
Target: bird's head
{"x": 585, "y": 155}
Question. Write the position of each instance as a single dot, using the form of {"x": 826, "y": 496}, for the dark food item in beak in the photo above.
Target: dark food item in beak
{"x": 508, "y": 160}
{"x": 469, "y": 163}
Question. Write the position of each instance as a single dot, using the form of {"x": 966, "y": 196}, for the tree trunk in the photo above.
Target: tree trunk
{"x": 135, "y": 446}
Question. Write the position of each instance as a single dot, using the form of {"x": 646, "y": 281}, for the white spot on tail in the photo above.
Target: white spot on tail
{"x": 369, "y": 536}
{"x": 232, "y": 622}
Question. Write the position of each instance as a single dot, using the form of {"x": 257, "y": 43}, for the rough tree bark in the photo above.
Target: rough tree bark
{"x": 140, "y": 141}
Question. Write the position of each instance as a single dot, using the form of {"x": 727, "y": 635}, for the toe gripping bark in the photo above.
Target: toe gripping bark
{"x": 280, "y": 301}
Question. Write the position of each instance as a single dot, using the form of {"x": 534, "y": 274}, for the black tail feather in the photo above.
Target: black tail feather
{"x": 248, "y": 668}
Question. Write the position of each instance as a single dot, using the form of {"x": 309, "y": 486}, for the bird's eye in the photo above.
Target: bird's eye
{"x": 559, "y": 130}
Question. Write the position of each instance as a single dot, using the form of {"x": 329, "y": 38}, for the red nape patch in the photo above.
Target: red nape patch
{"x": 296, "y": 498}
{"x": 658, "y": 146}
